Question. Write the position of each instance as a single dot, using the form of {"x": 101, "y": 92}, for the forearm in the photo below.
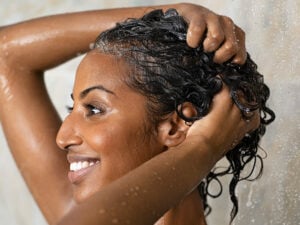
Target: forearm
{"x": 42, "y": 43}
{"x": 146, "y": 193}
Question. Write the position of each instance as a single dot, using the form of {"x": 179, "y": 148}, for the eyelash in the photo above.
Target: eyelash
{"x": 69, "y": 109}
{"x": 90, "y": 108}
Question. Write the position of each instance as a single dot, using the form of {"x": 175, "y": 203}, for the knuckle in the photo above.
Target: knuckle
{"x": 198, "y": 27}
{"x": 227, "y": 20}
{"x": 217, "y": 37}
{"x": 240, "y": 57}
{"x": 231, "y": 47}
{"x": 240, "y": 31}
{"x": 238, "y": 60}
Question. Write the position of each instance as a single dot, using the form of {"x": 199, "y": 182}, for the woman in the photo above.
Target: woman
{"x": 96, "y": 157}
{"x": 174, "y": 77}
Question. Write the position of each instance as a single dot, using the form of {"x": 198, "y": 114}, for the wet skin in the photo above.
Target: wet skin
{"x": 107, "y": 127}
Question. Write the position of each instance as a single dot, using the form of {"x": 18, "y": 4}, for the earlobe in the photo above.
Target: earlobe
{"x": 173, "y": 129}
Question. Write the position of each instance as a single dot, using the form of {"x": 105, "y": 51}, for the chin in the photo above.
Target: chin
{"x": 80, "y": 194}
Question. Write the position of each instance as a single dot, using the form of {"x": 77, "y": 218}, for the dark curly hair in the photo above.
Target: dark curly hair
{"x": 169, "y": 73}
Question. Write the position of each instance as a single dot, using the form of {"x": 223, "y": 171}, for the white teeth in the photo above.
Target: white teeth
{"x": 75, "y": 166}
{"x": 85, "y": 164}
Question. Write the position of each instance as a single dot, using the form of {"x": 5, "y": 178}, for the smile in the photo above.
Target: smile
{"x": 80, "y": 169}
{"x": 75, "y": 166}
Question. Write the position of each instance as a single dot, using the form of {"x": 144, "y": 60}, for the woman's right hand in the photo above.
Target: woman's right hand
{"x": 223, "y": 127}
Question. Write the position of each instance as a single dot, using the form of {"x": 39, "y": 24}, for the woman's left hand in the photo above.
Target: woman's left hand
{"x": 218, "y": 33}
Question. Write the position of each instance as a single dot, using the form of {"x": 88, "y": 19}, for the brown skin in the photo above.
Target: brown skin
{"x": 180, "y": 170}
{"x": 31, "y": 123}
{"x": 101, "y": 127}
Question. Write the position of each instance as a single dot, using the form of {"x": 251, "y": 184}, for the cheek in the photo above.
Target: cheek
{"x": 101, "y": 139}
{"x": 118, "y": 140}
{"x": 122, "y": 144}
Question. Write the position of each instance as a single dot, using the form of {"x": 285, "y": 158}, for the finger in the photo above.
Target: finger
{"x": 232, "y": 132}
{"x": 222, "y": 102}
{"x": 240, "y": 128}
{"x": 241, "y": 55}
{"x": 215, "y": 34}
{"x": 196, "y": 32}
{"x": 253, "y": 122}
{"x": 230, "y": 46}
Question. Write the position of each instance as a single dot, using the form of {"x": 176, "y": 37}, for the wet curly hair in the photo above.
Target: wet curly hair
{"x": 169, "y": 72}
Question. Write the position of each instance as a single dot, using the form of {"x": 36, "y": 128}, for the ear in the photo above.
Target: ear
{"x": 173, "y": 130}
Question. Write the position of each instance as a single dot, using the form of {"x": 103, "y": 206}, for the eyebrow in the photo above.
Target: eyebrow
{"x": 88, "y": 90}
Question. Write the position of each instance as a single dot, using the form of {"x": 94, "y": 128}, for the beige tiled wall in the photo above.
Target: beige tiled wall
{"x": 273, "y": 40}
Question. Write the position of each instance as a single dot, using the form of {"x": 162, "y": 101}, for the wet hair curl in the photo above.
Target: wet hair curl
{"x": 169, "y": 72}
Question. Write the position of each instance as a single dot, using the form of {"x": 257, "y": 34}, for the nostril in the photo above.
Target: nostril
{"x": 66, "y": 137}
{"x": 69, "y": 133}
{"x": 60, "y": 142}
{"x": 65, "y": 140}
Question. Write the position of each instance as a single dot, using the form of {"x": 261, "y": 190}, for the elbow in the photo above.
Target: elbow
{"x": 10, "y": 47}
{"x": 4, "y": 47}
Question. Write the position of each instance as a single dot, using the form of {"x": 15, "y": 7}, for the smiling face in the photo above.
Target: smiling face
{"x": 107, "y": 133}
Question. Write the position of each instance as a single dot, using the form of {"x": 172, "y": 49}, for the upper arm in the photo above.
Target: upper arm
{"x": 30, "y": 124}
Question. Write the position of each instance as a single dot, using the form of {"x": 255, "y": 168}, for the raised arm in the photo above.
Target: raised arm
{"x": 54, "y": 39}
{"x": 28, "y": 118}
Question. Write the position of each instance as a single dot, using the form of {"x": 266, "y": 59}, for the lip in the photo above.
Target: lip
{"x": 74, "y": 157}
{"x": 76, "y": 177}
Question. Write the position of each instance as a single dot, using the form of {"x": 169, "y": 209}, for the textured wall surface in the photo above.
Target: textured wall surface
{"x": 273, "y": 40}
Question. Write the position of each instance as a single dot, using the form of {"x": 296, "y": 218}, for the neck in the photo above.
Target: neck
{"x": 188, "y": 211}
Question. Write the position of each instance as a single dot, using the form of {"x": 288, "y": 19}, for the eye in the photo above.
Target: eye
{"x": 69, "y": 109}
{"x": 94, "y": 110}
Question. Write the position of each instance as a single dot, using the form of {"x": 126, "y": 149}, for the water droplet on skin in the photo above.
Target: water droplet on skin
{"x": 102, "y": 211}
{"x": 115, "y": 221}
{"x": 123, "y": 203}
{"x": 4, "y": 85}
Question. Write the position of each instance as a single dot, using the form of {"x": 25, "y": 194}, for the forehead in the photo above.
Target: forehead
{"x": 109, "y": 72}
{"x": 100, "y": 68}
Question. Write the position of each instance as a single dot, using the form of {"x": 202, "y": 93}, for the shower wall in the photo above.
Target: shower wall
{"x": 273, "y": 40}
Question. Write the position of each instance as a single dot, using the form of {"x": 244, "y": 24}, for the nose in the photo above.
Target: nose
{"x": 68, "y": 134}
